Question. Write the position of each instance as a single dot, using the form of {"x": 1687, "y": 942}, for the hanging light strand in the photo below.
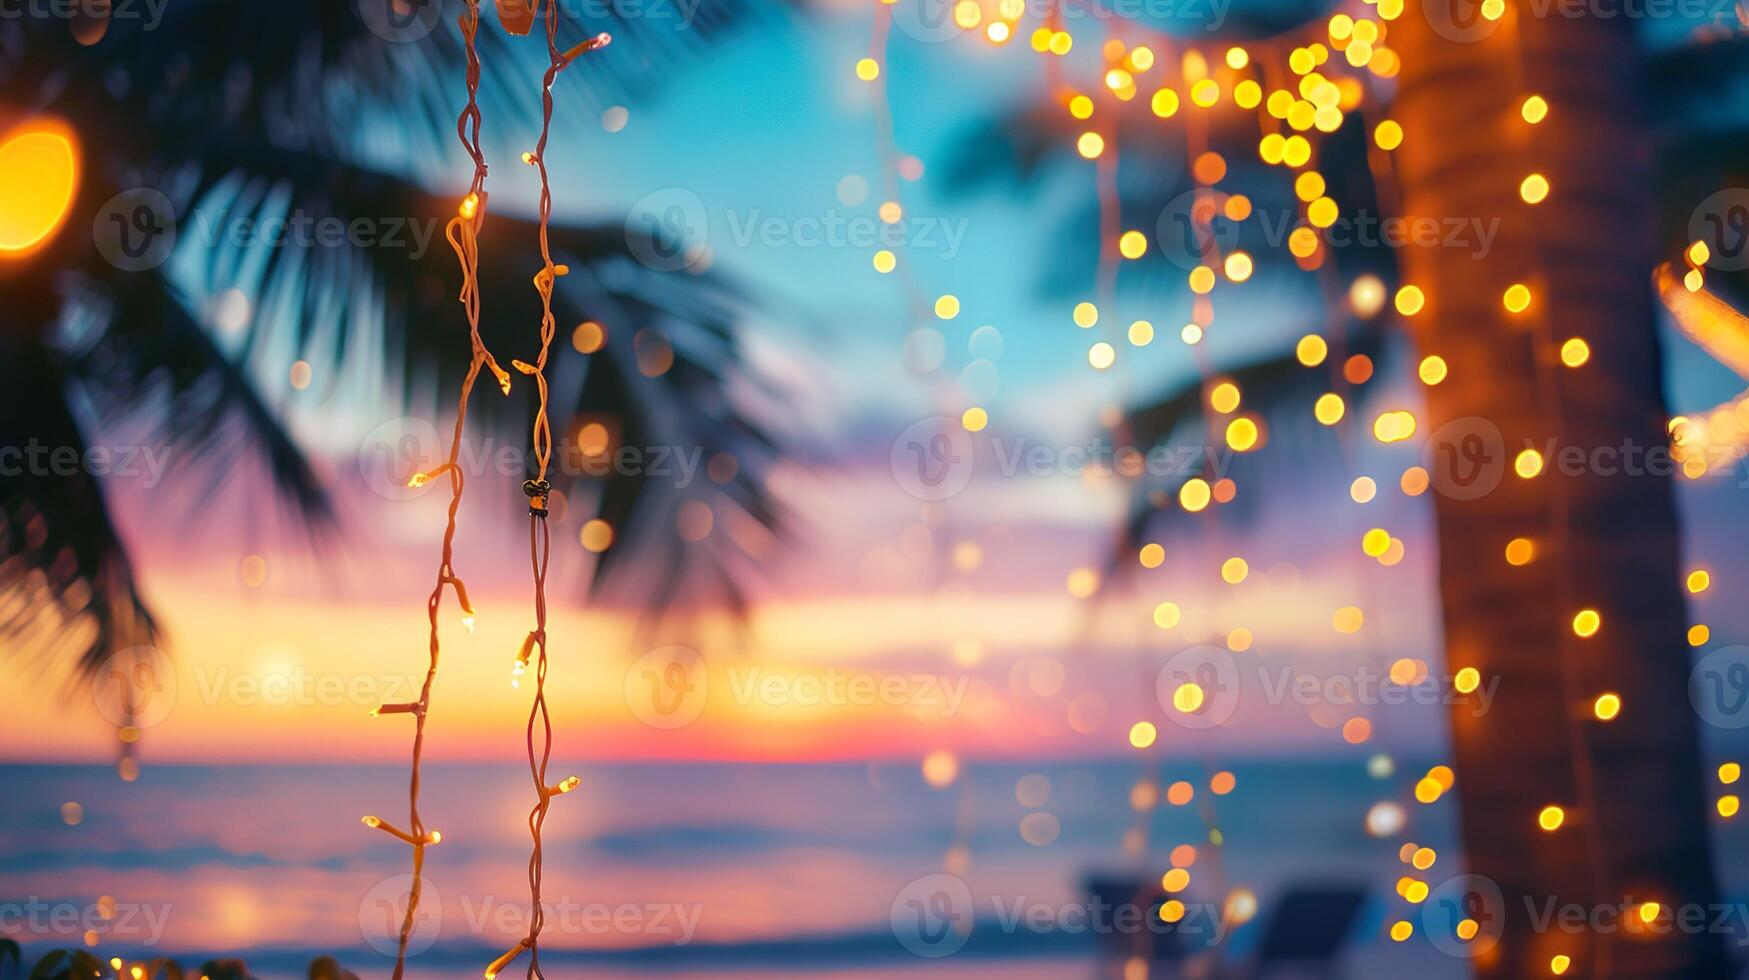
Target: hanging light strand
{"x": 539, "y": 491}
{"x": 462, "y": 233}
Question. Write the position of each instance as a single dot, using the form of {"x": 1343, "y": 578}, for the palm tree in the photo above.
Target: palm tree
{"x": 1609, "y": 540}
{"x": 1632, "y": 788}
{"x": 258, "y": 111}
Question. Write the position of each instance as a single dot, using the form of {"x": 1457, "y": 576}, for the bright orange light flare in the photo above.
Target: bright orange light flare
{"x": 41, "y": 162}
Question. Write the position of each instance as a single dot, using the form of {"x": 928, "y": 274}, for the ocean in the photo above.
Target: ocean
{"x": 705, "y": 871}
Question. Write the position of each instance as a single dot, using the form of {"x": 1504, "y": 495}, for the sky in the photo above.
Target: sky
{"x": 922, "y": 681}
{"x": 969, "y": 595}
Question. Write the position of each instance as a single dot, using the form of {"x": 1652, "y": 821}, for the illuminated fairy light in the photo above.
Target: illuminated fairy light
{"x": 462, "y": 233}
{"x": 533, "y": 653}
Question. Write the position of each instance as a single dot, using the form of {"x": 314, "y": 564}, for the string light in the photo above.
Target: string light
{"x": 539, "y": 490}
{"x": 1316, "y": 95}
{"x": 462, "y": 233}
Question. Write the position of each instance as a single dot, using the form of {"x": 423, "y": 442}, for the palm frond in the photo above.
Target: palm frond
{"x": 155, "y": 363}
{"x": 65, "y": 577}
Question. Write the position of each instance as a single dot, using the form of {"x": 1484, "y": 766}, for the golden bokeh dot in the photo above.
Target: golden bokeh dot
{"x": 1607, "y": 706}
{"x": 1194, "y": 495}
{"x": 1242, "y": 434}
{"x": 1432, "y": 369}
{"x": 1414, "y": 481}
{"x": 596, "y": 536}
{"x": 1348, "y": 619}
{"x": 1388, "y": 134}
{"x": 1533, "y": 189}
{"x": 1551, "y": 817}
{"x": 1234, "y": 570}
{"x": 1329, "y": 408}
{"x": 1166, "y": 615}
{"x": 947, "y": 306}
{"x": 1699, "y": 580}
{"x": 1152, "y": 555}
{"x": 1362, "y": 490}
{"x": 974, "y": 419}
{"x": 1467, "y": 679}
{"x": 1143, "y": 734}
{"x": 1575, "y": 352}
{"x": 1586, "y": 622}
{"x": 588, "y": 337}
{"x": 1520, "y": 551}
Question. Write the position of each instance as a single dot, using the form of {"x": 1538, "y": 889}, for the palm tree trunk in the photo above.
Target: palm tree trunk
{"x": 1632, "y": 788}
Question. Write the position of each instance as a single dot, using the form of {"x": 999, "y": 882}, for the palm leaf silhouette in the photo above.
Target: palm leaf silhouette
{"x": 246, "y": 111}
